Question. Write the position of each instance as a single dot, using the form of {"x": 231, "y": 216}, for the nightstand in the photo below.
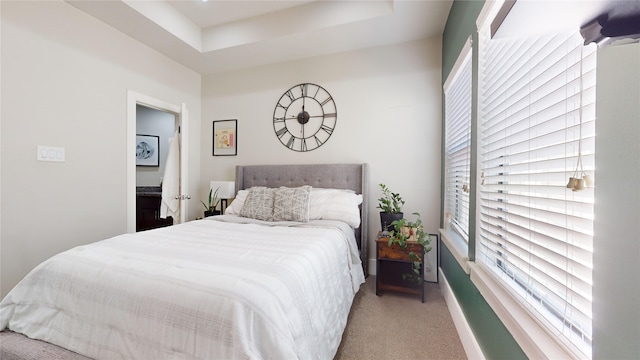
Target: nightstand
{"x": 391, "y": 263}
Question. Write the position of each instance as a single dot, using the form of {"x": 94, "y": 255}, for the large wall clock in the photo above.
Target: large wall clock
{"x": 305, "y": 117}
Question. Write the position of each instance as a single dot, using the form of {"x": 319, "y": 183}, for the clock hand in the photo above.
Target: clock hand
{"x": 304, "y": 120}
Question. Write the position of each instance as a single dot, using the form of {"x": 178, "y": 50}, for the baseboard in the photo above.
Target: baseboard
{"x": 471, "y": 346}
{"x": 372, "y": 267}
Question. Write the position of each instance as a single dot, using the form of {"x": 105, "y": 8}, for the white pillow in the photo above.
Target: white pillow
{"x": 237, "y": 203}
{"x": 291, "y": 204}
{"x": 335, "y": 204}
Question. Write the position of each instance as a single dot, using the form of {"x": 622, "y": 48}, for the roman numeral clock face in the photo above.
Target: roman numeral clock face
{"x": 304, "y": 117}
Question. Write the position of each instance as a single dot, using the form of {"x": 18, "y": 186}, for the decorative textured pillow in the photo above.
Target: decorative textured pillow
{"x": 292, "y": 204}
{"x": 335, "y": 204}
{"x": 237, "y": 203}
{"x": 259, "y": 204}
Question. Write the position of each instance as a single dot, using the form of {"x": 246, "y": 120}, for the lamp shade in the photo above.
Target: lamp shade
{"x": 226, "y": 189}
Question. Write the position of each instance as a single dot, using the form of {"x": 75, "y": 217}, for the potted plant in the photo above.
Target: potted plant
{"x": 406, "y": 232}
{"x": 391, "y": 205}
{"x": 210, "y": 208}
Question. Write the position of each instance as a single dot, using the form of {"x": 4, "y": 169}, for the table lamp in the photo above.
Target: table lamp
{"x": 226, "y": 190}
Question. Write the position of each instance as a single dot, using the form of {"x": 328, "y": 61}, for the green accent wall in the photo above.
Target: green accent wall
{"x": 494, "y": 339}
{"x": 460, "y": 24}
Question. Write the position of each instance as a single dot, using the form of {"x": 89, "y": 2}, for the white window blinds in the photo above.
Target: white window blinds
{"x": 457, "y": 92}
{"x": 536, "y": 113}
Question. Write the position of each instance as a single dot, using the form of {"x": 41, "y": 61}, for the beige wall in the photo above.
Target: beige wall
{"x": 65, "y": 77}
{"x": 389, "y": 106}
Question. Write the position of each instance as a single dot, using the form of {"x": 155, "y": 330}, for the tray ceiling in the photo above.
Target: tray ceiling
{"x": 216, "y": 36}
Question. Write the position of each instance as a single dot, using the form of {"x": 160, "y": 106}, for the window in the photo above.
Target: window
{"x": 536, "y": 119}
{"x": 457, "y": 92}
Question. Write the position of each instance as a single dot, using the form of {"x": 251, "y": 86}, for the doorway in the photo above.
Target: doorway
{"x": 154, "y": 129}
{"x": 180, "y": 115}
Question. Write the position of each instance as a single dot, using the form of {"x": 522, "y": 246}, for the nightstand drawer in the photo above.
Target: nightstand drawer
{"x": 395, "y": 252}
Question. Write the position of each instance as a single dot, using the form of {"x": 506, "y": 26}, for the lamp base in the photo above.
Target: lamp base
{"x": 223, "y": 205}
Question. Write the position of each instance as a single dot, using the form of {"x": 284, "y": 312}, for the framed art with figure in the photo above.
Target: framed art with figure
{"x": 147, "y": 150}
{"x": 225, "y": 137}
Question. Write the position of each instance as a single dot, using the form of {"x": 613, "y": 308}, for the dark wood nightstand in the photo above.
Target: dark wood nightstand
{"x": 391, "y": 263}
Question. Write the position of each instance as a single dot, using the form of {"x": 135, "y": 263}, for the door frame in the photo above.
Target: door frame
{"x": 134, "y": 99}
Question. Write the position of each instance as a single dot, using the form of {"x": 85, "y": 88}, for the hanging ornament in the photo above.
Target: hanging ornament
{"x": 580, "y": 179}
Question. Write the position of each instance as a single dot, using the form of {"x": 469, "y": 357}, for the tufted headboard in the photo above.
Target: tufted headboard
{"x": 337, "y": 176}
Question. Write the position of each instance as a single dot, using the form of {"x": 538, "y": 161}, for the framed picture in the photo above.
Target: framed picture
{"x": 225, "y": 137}
{"x": 431, "y": 260}
{"x": 147, "y": 150}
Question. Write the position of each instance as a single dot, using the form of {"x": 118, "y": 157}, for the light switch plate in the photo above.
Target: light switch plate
{"x": 50, "y": 153}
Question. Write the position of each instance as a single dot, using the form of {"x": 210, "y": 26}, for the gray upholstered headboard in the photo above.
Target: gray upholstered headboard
{"x": 336, "y": 176}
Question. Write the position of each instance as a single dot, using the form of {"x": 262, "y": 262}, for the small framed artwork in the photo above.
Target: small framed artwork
{"x": 147, "y": 150}
{"x": 225, "y": 137}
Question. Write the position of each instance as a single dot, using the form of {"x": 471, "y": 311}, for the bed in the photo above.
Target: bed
{"x": 227, "y": 287}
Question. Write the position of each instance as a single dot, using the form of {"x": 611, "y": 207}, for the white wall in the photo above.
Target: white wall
{"x": 65, "y": 77}
{"x": 389, "y": 110}
{"x": 159, "y": 123}
{"x": 616, "y": 253}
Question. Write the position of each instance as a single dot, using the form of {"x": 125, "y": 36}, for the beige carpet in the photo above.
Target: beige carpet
{"x": 399, "y": 327}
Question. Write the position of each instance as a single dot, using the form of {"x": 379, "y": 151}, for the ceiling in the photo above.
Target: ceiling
{"x": 225, "y": 35}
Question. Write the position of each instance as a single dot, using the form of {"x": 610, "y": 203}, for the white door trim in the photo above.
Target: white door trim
{"x": 184, "y": 162}
{"x": 133, "y": 99}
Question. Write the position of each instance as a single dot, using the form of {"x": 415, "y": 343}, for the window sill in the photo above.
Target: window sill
{"x": 458, "y": 247}
{"x": 535, "y": 341}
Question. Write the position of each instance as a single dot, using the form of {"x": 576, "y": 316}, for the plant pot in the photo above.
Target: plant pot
{"x": 387, "y": 218}
{"x": 211, "y": 213}
{"x": 412, "y": 282}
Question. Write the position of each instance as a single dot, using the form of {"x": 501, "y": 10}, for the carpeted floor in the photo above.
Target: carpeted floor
{"x": 399, "y": 327}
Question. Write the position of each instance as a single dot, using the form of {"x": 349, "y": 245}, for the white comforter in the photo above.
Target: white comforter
{"x": 205, "y": 289}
